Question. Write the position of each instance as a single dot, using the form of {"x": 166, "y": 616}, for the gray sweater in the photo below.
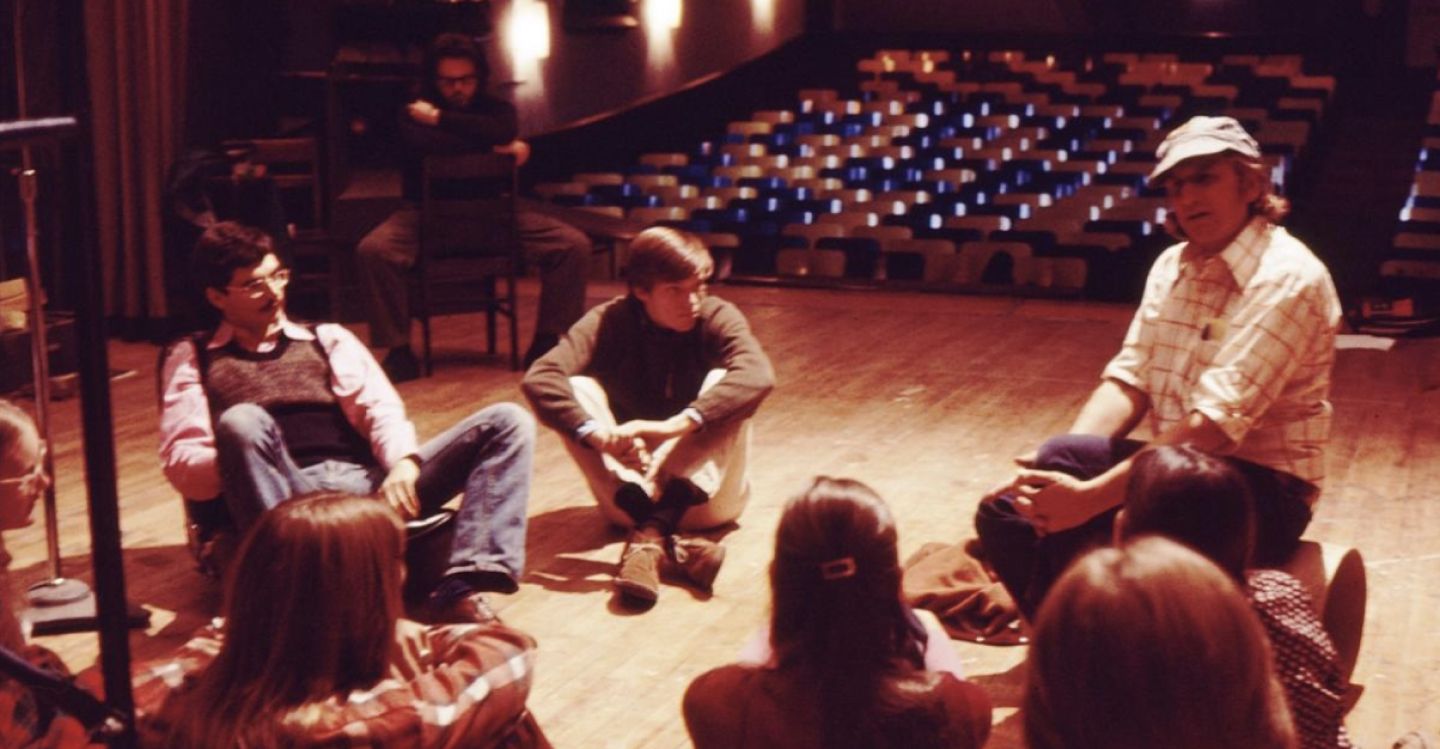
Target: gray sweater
{"x": 649, "y": 372}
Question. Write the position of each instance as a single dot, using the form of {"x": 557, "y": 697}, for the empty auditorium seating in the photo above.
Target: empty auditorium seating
{"x": 970, "y": 168}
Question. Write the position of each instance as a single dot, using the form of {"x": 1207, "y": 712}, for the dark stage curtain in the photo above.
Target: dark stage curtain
{"x": 137, "y": 64}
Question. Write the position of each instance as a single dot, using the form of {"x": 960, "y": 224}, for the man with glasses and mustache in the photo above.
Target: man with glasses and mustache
{"x": 262, "y": 409}
{"x": 454, "y": 114}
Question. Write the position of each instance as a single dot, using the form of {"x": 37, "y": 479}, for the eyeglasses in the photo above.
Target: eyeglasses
{"x": 457, "y": 80}
{"x": 31, "y": 481}
{"x": 256, "y": 287}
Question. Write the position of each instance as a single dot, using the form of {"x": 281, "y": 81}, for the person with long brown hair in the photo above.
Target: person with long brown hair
{"x": 1201, "y": 501}
{"x": 313, "y": 650}
{"x": 1151, "y": 645}
{"x": 849, "y": 664}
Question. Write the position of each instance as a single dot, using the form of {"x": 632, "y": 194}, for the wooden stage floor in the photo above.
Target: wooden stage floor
{"x": 925, "y": 397}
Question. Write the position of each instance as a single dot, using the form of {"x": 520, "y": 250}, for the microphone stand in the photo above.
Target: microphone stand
{"x": 58, "y": 589}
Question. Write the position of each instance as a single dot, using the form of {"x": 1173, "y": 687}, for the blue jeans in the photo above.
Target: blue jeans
{"x": 1028, "y": 563}
{"x": 487, "y": 458}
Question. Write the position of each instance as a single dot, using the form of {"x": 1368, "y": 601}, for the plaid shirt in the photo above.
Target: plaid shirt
{"x": 469, "y": 690}
{"x": 1305, "y": 659}
{"x": 1245, "y": 337}
{"x": 25, "y": 723}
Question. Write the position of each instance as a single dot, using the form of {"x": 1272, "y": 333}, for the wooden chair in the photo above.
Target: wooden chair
{"x": 292, "y": 166}
{"x": 469, "y": 244}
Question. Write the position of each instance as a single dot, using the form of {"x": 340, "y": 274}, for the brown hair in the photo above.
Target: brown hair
{"x": 1196, "y": 499}
{"x": 661, "y": 254}
{"x": 224, "y": 248}
{"x": 311, "y": 605}
{"x": 1151, "y": 645}
{"x": 838, "y": 620}
{"x": 1273, "y": 208}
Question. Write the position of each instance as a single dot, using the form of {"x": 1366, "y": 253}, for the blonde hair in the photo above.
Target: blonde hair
{"x": 311, "y": 606}
{"x": 14, "y": 421}
{"x": 1151, "y": 645}
{"x": 1273, "y": 208}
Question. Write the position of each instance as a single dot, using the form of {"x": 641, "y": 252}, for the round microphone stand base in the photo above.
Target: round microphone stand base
{"x": 60, "y": 590}
{"x": 64, "y": 605}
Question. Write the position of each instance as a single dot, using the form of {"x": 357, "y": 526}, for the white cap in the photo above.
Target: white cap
{"x": 1203, "y": 136}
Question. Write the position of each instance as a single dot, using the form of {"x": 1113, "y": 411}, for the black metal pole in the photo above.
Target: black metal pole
{"x": 99, "y": 434}
{"x": 82, "y": 244}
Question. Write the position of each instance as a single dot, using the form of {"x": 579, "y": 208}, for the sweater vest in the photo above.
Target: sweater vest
{"x": 292, "y": 383}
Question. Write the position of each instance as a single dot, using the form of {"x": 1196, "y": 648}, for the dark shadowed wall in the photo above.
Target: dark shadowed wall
{"x": 585, "y": 73}
{"x": 592, "y": 73}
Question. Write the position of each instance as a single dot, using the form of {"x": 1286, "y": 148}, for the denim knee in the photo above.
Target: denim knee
{"x": 243, "y": 423}
{"x": 510, "y": 418}
{"x": 999, "y": 509}
{"x": 506, "y": 419}
{"x": 1061, "y": 452}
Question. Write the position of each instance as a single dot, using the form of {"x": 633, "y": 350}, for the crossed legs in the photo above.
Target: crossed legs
{"x": 486, "y": 458}
{"x": 1028, "y": 563}
{"x": 712, "y": 461}
{"x": 695, "y": 481}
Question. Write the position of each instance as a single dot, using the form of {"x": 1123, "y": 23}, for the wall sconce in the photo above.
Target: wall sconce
{"x": 527, "y": 32}
{"x": 663, "y": 14}
{"x": 762, "y": 16}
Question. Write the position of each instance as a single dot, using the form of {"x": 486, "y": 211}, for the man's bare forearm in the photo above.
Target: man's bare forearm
{"x": 1113, "y": 410}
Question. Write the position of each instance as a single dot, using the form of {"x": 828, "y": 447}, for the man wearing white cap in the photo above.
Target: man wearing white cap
{"x": 1230, "y": 352}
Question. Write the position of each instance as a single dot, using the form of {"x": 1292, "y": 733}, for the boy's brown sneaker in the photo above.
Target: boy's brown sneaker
{"x": 697, "y": 560}
{"x": 639, "y": 575}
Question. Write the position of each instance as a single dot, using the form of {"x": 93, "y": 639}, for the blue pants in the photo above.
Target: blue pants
{"x": 486, "y": 458}
{"x": 1028, "y": 563}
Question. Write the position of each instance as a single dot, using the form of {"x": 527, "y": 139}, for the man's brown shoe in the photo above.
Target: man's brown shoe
{"x": 697, "y": 560}
{"x": 639, "y": 575}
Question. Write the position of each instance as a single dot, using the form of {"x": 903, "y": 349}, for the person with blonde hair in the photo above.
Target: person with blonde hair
{"x": 1151, "y": 645}
{"x": 652, "y": 393}
{"x": 25, "y": 721}
{"x": 313, "y": 650}
{"x": 846, "y": 662}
